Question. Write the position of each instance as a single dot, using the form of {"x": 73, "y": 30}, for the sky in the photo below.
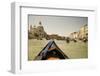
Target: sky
{"x": 61, "y": 25}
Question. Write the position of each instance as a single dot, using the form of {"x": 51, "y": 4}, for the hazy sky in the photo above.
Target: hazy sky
{"x": 60, "y": 25}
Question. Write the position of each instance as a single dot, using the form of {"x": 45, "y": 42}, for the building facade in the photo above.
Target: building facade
{"x": 82, "y": 33}
{"x": 36, "y": 32}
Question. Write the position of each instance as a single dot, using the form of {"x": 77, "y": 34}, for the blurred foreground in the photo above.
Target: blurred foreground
{"x": 74, "y": 50}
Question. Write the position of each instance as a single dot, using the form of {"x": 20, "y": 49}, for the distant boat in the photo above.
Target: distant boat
{"x": 51, "y": 51}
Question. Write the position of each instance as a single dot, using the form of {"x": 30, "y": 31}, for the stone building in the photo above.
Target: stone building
{"x": 82, "y": 33}
{"x": 74, "y": 35}
{"x": 36, "y": 32}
